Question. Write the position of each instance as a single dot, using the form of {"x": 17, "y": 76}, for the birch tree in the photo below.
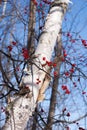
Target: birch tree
{"x": 37, "y": 76}
{"x": 56, "y": 76}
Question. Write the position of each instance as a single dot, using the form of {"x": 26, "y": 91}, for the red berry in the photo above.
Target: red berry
{"x": 68, "y": 114}
{"x": 83, "y": 41}
{"x": 37, "y": 82}
{"x": 66, "y": 73}
{"x": 72, "y": 70}
{"x": 44, "y": 58}
{"x": 25, "y": 53}
{"x": 67, "y": 91}
{"x": 13, "y": 43}
{"x": 73, "y": 65}
{"x": 10, "y": 48}
{"x": 83, "y": 92}
{"x": 65, "y": 54}
{"x": 55, "y": 73}
{"x": 49, "y": 63}
{"x": 64, "y": 87}
{"x": 74, "y": 83}
{"x": 67, "y": 128}
{"x": 68, "y": 34}
{"x": 54, "y": 64}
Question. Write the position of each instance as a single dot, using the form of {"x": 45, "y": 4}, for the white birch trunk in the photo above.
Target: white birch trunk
{"x": 23, "y": 107}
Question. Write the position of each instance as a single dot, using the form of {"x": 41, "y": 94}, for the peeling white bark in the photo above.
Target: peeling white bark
{"x": 23, "y": 106}
{"x": 66, "y": 1}
{"x": 22, "y": 109}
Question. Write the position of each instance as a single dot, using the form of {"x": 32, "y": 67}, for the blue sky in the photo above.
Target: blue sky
{"x": 76, "y": 21}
